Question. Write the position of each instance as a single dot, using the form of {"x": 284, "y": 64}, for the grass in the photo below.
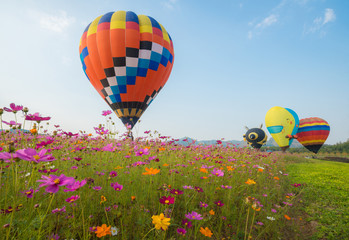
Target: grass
{"x": 325, "y": 199}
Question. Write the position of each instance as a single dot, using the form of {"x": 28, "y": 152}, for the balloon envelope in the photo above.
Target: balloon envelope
{"x": 281, "y": 123}
{"x": 256, "y": 137}
{"x": 312, "y": 133}
{"x": 128, "y": 59}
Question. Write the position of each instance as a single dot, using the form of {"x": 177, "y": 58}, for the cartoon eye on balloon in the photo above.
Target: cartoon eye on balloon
{"x": 255, "y": 137}
{"x": 312, "y": 133}
{"x": 282, "y": 124}
{"x": 128, "y": 59}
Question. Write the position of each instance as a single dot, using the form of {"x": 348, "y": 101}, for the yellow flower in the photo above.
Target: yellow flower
{"x": 103, "y": 199}
{"x": 160, "y": 221}
{"x": 250, "y": 181}
{"x": 151, "y": 171}
{"x": 206, "y": 231}
{"x": 103, "y": 231}
{"x": 211, "y": 212}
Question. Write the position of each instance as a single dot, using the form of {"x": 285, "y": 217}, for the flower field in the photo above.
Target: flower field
{"x": 59, "y": 185}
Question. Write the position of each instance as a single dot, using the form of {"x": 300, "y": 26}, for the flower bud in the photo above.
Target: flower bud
{"x": 25, "y": 110}
{"x": 1, "y": 111}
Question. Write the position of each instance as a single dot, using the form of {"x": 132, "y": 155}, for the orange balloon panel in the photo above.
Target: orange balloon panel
{"x": 128, "y": 59}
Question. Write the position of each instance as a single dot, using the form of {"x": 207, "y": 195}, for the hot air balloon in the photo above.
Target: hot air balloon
{"x": 128, "y": 59}
{"x": 255, "y": 137}
{"x": 282, "y": 124}
{"x": 312, "y": 133}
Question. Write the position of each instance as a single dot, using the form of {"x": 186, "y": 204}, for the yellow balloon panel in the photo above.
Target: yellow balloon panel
{"x": 281, "y": 122}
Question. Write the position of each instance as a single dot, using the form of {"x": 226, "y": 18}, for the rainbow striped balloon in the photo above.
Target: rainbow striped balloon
{"x": 312, "y": 133}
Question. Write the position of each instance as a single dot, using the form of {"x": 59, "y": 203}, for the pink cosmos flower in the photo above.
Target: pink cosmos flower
{"x": 72, "y": 199}
{"x": 187, "y": 223}
{"x": 6, "y": 156}
{"x": 194, "y": 216}
{"x": 142, "y": 152}
{"x": 36, "y": 117}
{"x": 53, "y": 182}
{"x": 167, "y": 200}
{"x": 113, "y": 174}
{"x": 176, "y": 192}
{"x": 31, "y": 155}
{"x": 59, "y": 210}
{"x": 106, "y": 112}
{"x": 226, "y": 187}
{"x": 101, "y": 131}
{"x": 97, "y": 188}
{"x": 204, "y": 205}
{"x": 219, "y": 204}
{"x": 29, "y": 193}
{"x": 181, "y": 231}
{"x": 217, "y": 172}
{"x": 75, "y": 186}
{"x": 109, "y": 148}
{"x": 12, "y": 123}
{"x": 116, "y": 186}
{"x": 13, "y": 108}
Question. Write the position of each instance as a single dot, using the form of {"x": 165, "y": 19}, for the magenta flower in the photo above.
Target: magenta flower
{"x": 29, "y": 193}
{"x": 194, "y": 216}
{"x": 273, "y": 210}
{"x": 218, "y": 172}
{"x": 219, "y": 203}
{"x": 53, "y": 182}
{"x": 109, "y": 148}
{"x": 113, "y": 174}
{"x": 97, "y": 188}
{"x": 181, "y": 231}
{"x": 13, "y": 108}
{"x": 204, "y": 205}
{"x": 12, "y": 123}
{"x": 72, "y": 199}
{"x": 36, "y": 117}
{"x": 142, "y": 152}
{"x": 75, "y": 186}
{"x": 199, "y": 189}
{"x": 59, "y": 210}
{"x": 188, "y": 187}
{"x": 167, "y": 200}
{"x": 176, "y": 192}
{"x": 7, "y": 156}
{"x": 187, "y": 223}
{"x": 101, "y": 131}
{"x": 226, "y": 187}
{"x": 31, "y": 155}
{"x": 43, "y": 144}
{"x": 106, "y": 112}
{"x": 139, "y": 163}
{"x": 116, "y": 186}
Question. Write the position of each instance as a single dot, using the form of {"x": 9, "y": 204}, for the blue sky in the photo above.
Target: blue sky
{"x": 234, "y": 60}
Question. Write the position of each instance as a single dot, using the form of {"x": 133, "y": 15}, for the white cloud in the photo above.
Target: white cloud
{"x": 329, "y": 16}
{"x": 319, "y": 22}
{"x": 268, "y": 21}
{"x": 58, "y": 22}
{"x": 169, "y": 4}
{"x": 257, "y": 28}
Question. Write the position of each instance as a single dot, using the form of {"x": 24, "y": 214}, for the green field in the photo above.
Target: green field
{"x": 324, "y": 204}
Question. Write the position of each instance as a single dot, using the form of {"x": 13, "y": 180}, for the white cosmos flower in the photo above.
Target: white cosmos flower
{"x": 271, "y": 218}
{"x": 114, "y": 231}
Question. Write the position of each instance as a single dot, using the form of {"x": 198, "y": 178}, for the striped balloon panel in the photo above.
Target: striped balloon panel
{"x": 128, "y": 59}
{"x": 312, "y": 133}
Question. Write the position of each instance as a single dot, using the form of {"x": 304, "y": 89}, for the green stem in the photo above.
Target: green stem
{"x": 148, "y": 233}
{"x": 42, "y": 219}
{"x": 248, "y": 213}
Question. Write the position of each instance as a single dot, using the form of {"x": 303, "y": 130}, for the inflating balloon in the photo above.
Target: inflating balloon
{"x": 312, "y": 133}
{"x": 128, "y": 59}
{"x": 282, "y": 124}
{"x": 255, "y": 137}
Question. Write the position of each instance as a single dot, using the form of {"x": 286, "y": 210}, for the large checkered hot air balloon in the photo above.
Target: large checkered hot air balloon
{"x": 312, "y": 133}
{"x": 128, "y": 59}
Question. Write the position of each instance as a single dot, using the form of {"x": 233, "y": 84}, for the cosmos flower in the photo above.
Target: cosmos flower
{"x": 219, "y": 204}
{"x": 176, "y": 192}
{"x": 217, "y": 172}
{"x": 59, "y": 210}
{"x": 187, "y": 223}
{"x": 160, "y": 221}
{"x": 226, "y": 187}
{"x": 75, "y": 186}
{"x": 31, "y": 155}
{"x": 116, "y": 186}
{"x": 194, "y": 216}
{"x": 30, "y": 192}
{"x": 103, "y": 231}
{"x": 36, "y": 117}
{"x": 151, "y": 171}
{"x": 142, "y": 152}
{"x": 114, "y": 231}
{"x": 72, "y": 199}
{"x": 250, "y": 181}
{"x": 12, "y": 123}
{"x": 13, "y": 108}
{"x": 97, "y": 188}
{"x": 113, "y": 174}
{"x": 53, "y": 182}
{"x": 204, "y": 205}
{"x": 181, "y": 231}
{"x": 167, "y": 200}
{"x": 206, "y": 231}
{"x": 106, "y": 112}
{"x": 271, "y": 218}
